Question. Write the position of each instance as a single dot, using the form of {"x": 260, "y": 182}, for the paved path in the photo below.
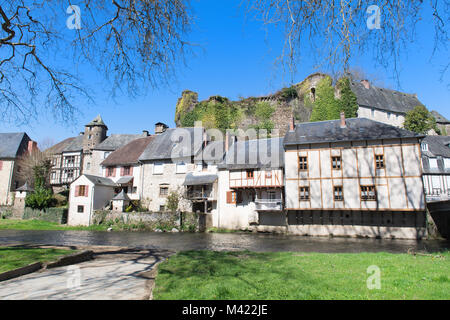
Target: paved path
{"x": 115, "y": 273}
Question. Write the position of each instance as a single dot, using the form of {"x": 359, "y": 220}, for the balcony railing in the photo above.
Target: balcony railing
{"x": 199, "y": 195}
{"x": 268, "y": 204}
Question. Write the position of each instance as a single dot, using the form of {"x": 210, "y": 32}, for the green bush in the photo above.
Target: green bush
{"x": 289, "y": 93}
{"x": 41, "y": 198}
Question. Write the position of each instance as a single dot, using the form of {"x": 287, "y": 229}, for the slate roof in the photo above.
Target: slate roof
{"x": 12, "y": 144}
{"x": 251, "y": 154}
{"x": 214, "y": 152}
{"x": 384, "y": 99}
{"x": 357, "y": 129}
{"x": 439, "y": 117}
{"x": 199, "y": 179}
{"x": 121, "y": 196}
{"x": 129, "y": 153}
{"x": 176, "y": 142}
{"x": 100, "y": 180}
{"x": 438, "y": 147}
{"x": 72, "y": 144}
{"x": 115, "y": 141}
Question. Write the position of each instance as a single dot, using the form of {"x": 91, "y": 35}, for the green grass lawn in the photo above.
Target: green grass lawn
{"x": 292, "y": 275}
{"x": 16, "y": 257}
{"x": 43, "y": 225}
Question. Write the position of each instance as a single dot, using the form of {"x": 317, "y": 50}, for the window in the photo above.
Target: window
{"x": 268, "y": 174}
{"x": 446, "y": 163}
{"x": 388, "y": 115}
{"x": 304, "y": 193}
{"x": 424, "y": 146}
{"x": 433, "y": 163}
{"x": 90, "y": 136}
{"x": 88, "y": 166}
{"x": 250, "y": 174}
{"x": 231, "y": 197}
{"x": 336, "y": 162}
{"x": 372, "y": 112}
{"x": 126, "y": 171}
{"x": 134, "y": 190}
{"x": 181, "y": 167}
{"x": 368, "y": 193}
{"x": 338, "y": 195}
{"x": 272, "y": 195}
{"x": 69, "y": 173}
{"x": 69, "y": 161}
{"x": 80, "y": 209}
{"x": 162, "y": 208}
{"x": 110, "y": 171}
{"x": 379, "y": 161}
{"x": 81, "y": 191}
{"x": 163, "y": 191}
{"x": 303, "y": 163}
{"x": 158, "y": 168}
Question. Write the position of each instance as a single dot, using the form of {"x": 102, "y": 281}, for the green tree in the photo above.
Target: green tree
{"x": 173, "y": 200}
{"x": 420, "y": 120}
{"x": 347, "y": 102}
{"x": 325, "y": 107}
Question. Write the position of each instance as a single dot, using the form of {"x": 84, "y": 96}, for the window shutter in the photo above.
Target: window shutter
{"x": 131, "y": 170}
{"x": 77, "y": 191}
{"x": 238, "y": 197}
{"x": 114, "y": 172}
{"x": 1, "y": 165}
{"x": 86, "y": 192}
{"x": 121, "y": 171}
{"x": 229, "y": 196}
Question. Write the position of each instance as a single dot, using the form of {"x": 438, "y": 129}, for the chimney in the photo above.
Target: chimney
{"x": 343, "y": 124}
{"x": 227, "y": 141}
{"x": 365, "y": 83}
{"x": 145, "y": 133}
{"x": 160, "y": 127}
{"x": 81, "y": 133}
{"x": 32, "y": 146}
{"x": 292, "y": 124}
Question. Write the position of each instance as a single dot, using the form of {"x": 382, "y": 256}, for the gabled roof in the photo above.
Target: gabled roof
{"x": 99, "y": 180}
{"x": 11, "y": 143}
{"x": 439, "y": 117}
{"x": 115, "y": 141}
{"x": 60, "y": 146}
{"x": 174, "y": 143}
{"x": 357, "y": 129}
{"x": 129, "y": 153}
{"x": 384, "y": 99}
{"x": 252, "y": 154}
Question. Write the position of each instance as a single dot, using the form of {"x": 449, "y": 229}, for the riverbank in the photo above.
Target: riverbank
{"x": 15, "y": 224}
{"x": 20, "y": 256}
{"x": 288, "y": 275}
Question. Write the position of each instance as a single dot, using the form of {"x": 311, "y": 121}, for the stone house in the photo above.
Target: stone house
{"x": 171, "y": 155}
{"x": 354, "y": 177}
{"x": 251, "y": 186}
{"x": 75, "y": 156}
{"x": 436, "y": 167}
{"x": 13, "y": 146}
{"x": 442, "y": 123}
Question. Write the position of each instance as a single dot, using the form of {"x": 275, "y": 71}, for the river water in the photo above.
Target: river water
{"x": 219, "y": 241}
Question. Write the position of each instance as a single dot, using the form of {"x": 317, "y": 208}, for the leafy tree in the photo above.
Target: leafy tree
{"x": 420, "y": 120}
{"x": 325, "y": 107}
{"x": 348, "y": 101}
{"x": 173, "y": 200}
{"x": 289, "y": 93}
{"x": 41, "y": 198}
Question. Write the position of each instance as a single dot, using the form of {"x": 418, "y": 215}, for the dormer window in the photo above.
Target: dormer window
{"x": 433, "y": 163}
{"x": 424, "y": 146}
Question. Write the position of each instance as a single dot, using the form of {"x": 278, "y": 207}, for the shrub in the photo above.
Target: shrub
{"x": 289, "y": 93}
{"x": 41, "y": 198}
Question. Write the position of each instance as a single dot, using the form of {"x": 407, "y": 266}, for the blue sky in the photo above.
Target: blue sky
{"x": 236, "y": 58}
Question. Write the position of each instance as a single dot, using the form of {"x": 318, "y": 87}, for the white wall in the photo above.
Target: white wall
{"x": 395, "y": 119}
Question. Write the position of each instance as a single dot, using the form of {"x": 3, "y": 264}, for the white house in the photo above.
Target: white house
{"x": 354, "y": 177}
{"x": 87, "y": 194}
{"x": 251, "y": 184}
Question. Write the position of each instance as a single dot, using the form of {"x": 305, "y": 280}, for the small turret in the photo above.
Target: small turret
{"x": 94, "y": 133}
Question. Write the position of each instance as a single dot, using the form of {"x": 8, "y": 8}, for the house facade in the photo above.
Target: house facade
{"x": 354, "y": 177}
{"x": 13, "y": 146}
{"x": 251, "y": 186}
{"x": 436, "y": 167}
